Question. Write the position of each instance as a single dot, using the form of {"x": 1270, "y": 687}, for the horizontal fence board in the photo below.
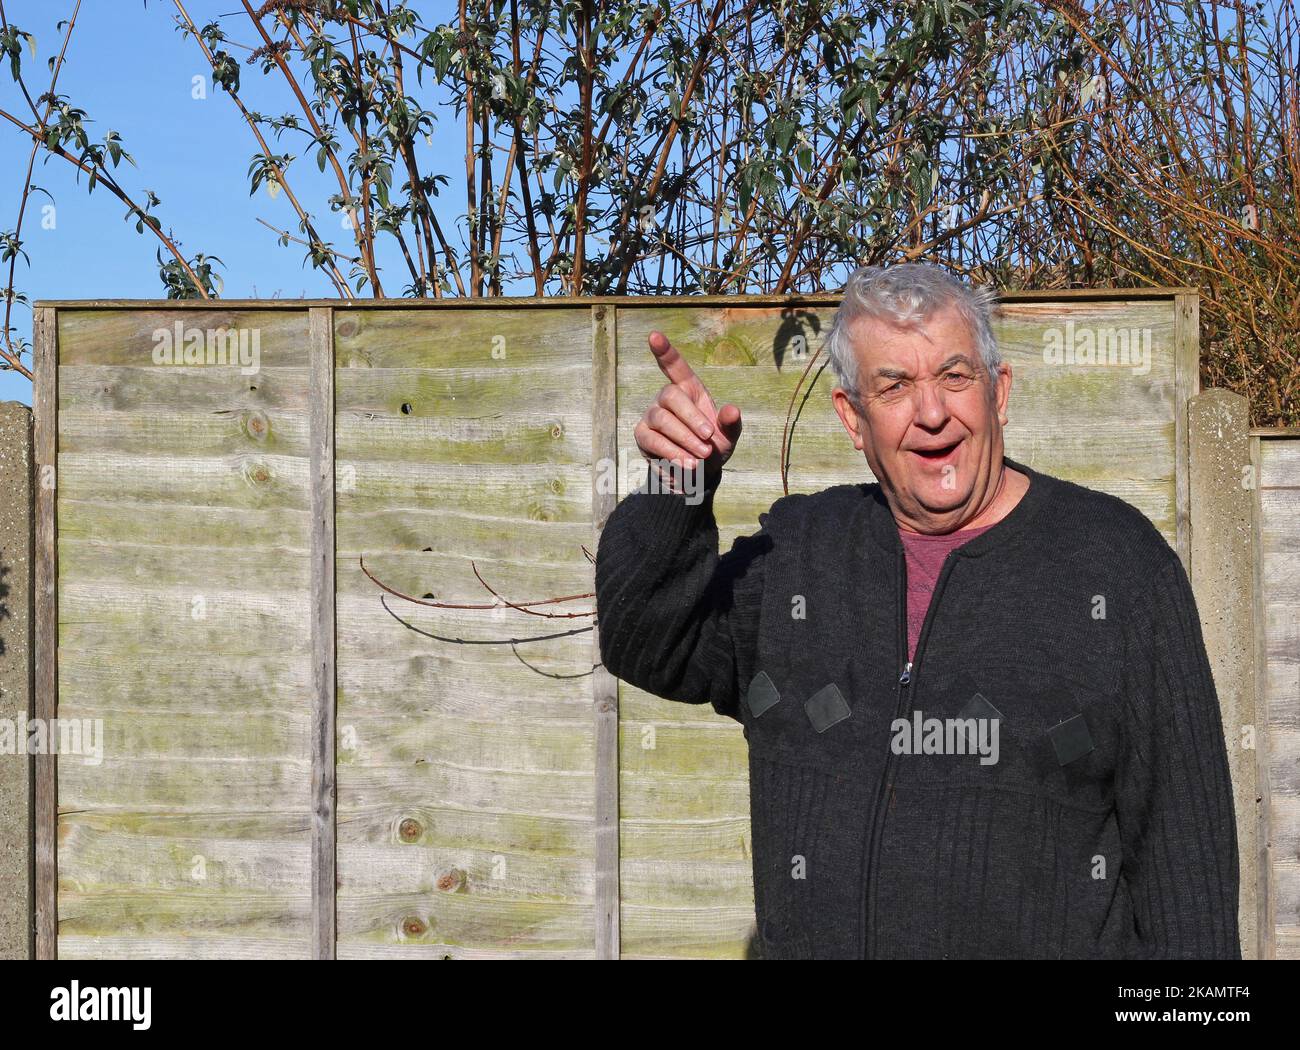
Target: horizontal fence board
{"x": 227, "y": 784}
{"x": 1283, "y": 573}
{"x": 202, "y": 682}
{"x": 419, "y": 826}
{"x": 1279, "y": 509}
{"x": 679, "y": 798}
{"x": 683, "y": 750}
{"x": 479, "y": 638}
{"x": 234, "y": 529}
{"x": 434, "y": 950}
{"x": 1286, "y": 880}
{"x": 454, "y": 687}
{"x": 550, "y": 492}
{"x": 211, "y": 433}
{"x": 1282, "y": 676}
{"x": 724, "y": 840}
{"x": 687, "y": 933}
{"x": 1279, "y": 465}
{"x": 458, "y": 395}
{"x": 461, "y": 575}
{"x": 1284, "y": 821}
{"x": 1284, "y": 764}
{"x": 154, "y": 619}
{"x": 463, "y": 339}
{"x": 462, "y": 533}
{"x": 151, "y": 392}
{"x": 184, "y": 736}
{"x": 149, "y": 338}
{"x": 200, "y": 913}
{"x": 542, "y": 744}
{"x": 486, "y": 873}
{"x": 129, "y": 860}
{"x": 715, "y": 882}
{"x": 157, "y": 566}
{"x": 493, "y": 791}
{"x": 247, "y": 480}
{"x": 209, "y": 946}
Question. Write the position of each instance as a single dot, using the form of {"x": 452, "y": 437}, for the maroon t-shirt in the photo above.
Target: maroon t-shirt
{"x": 925, "y": 557}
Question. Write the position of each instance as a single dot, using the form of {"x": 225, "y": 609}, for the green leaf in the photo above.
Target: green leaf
{"x": 783, "y": 134}
{"x": 870, "y": 100}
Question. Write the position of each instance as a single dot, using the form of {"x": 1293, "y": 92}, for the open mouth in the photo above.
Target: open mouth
{"x": 935, "y": 455}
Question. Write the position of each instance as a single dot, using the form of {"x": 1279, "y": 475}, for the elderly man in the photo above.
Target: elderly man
{"x": 980, "y": 716}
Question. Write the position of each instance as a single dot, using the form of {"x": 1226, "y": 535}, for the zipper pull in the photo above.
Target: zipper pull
{"x": 906, "y": 676}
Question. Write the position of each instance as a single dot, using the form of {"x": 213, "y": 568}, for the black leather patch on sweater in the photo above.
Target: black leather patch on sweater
{"x": 1071, "y": 739}
{"x": 761, "y": 694}
{"x": 826, "y": 707}
{"x": 978, "y": 707}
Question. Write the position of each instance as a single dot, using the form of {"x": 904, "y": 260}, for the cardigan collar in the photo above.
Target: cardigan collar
{"x": 884, "y": 529}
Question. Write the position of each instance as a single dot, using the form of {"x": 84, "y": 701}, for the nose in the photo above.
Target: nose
{"x": 929, "y": 408}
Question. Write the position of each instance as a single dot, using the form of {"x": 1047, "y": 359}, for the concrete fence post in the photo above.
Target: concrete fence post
{"x": 17, "y": 936}
{"x": 1222, "y": 497}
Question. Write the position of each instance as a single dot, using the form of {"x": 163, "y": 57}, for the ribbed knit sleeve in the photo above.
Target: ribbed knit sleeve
{"x": 1173, "y": 791}
{"x": 675, "y": 619}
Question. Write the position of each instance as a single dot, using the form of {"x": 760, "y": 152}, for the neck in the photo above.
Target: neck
{"x": 1007, "y": 492}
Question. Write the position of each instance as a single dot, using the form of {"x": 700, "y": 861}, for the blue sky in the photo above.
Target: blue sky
{"x": 132, "y": 71}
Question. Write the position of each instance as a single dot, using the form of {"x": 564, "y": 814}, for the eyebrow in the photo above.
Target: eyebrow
{"x": 898, "y": 373}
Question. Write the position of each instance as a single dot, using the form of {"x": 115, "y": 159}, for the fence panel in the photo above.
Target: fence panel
{"x": 183, "y": 619}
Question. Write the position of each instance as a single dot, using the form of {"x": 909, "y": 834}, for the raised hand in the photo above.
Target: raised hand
{"x": 684, "y": 424}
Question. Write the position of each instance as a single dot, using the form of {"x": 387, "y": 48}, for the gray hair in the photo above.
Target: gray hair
{"x": 905, "y": 294}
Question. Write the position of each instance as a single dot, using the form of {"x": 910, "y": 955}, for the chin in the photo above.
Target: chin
{"x": 933, "y": 497}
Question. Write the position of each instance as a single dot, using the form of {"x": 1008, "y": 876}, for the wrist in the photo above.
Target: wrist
{"x": 667, "y": 478}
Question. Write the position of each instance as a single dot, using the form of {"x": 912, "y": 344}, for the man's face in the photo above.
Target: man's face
{"x": 928, "y": 427}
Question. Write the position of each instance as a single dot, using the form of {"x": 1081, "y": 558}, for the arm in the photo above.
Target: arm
{"x": 1173, "y": 792}
{"x": 675, "y": 619}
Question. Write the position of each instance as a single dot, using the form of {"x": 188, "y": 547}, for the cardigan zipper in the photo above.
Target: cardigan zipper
{"x": 903, "y": 696}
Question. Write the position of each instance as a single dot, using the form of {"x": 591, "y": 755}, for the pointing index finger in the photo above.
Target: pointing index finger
{"x": 671, "y": 363}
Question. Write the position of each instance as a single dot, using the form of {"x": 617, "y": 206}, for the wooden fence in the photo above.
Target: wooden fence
{"x": 298, "y": 762}
{"x": 1276, "y": 459}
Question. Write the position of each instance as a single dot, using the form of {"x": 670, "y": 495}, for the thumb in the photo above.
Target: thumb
{"x": 729, "y": 423}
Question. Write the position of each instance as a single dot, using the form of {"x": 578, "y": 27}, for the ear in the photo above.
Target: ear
{"x": 1003, "y": 390}
{"x": 848, "y": 415}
